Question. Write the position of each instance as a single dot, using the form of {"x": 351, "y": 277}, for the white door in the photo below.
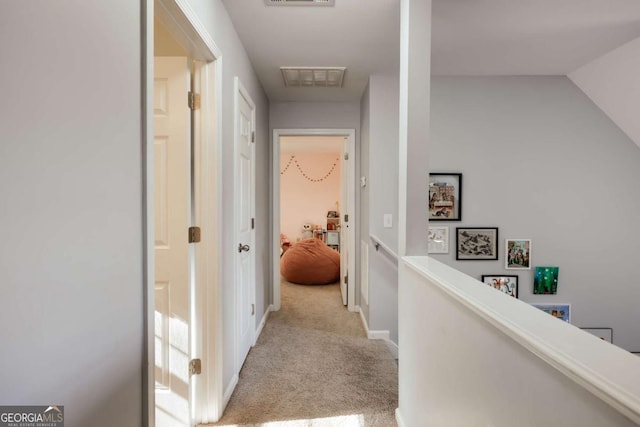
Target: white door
{"x": 344, "y": 221}
{"x": 245, "y": 250}
{"x": 171, "y": 193}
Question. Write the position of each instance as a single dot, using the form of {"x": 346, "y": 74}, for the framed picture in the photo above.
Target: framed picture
{"x": 517, "y": 254}
{"x": 438, "y": 240}
{"x": 560, "y": 311}
{"x": 605, "y": 334}
{"x": 476, "y": 243}
{"x": 505, "y": 283}
{"x": 445, "y": 197}
{"x": 545, "y": 280}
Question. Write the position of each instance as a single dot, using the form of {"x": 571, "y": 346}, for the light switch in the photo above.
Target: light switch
{"x": 388, "y": 220}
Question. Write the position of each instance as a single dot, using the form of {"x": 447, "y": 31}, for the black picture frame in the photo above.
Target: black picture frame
{"x": 476, "y": 243}
{"x": 507, "y": 283}
{"x": 445, "y": 197}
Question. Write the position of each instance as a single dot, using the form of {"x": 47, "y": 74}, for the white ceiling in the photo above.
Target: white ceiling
{"x": 470, "y": 37}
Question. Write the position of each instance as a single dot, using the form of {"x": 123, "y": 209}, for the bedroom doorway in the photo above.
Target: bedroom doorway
{"x": 314, "y": 197}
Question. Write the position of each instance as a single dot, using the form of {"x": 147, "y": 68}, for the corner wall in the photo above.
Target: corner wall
{"x": 540, "y": 161}
{"x": 71, "y": 305}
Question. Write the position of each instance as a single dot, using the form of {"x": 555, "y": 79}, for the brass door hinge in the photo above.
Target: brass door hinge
{"x": 194, "y": 234}
{"x": 253, "y": 136}
{"x": 195, "y": 367}
{"x": 253, "y": 309}
{"x": 194, "y": 100}
{"x": 346, "y": 156}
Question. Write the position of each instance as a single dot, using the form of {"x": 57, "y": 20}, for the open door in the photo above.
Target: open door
{"x": 344, "y": 221}
{"x": 172, "y": 218}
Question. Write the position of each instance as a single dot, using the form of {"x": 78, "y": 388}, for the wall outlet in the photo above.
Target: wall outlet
{"x": 388, "y": 220}
{"x": 363, "y": 181}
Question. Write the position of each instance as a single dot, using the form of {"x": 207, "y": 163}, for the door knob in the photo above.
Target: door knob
{"x": 242, "y": 247}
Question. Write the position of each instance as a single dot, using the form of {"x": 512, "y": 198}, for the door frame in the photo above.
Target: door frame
{"x": 350, "y": 134}
{"x": 206, "y": 296}
{"x": 240, "y": 91}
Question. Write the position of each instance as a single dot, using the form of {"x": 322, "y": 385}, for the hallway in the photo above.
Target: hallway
{"x": 312, "y": 362}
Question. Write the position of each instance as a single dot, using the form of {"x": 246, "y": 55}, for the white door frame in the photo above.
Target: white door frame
{"x": 240, "y": 91}
{"x": 206, "y": 316}
{"x": 350, "y": 134}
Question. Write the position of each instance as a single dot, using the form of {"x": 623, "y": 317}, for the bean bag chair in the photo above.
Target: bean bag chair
{"x": 310, "y": 262}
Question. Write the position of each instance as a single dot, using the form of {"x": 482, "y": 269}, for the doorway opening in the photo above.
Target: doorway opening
{"x": 182, "y": 189}
{"x": 314, "y": 197}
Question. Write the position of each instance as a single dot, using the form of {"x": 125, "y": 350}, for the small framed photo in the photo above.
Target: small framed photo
{"x": 605, "y": 334}
{"x": 505, "y": 283}
{"x": 545, "y": 280}
{"x": 517, "y": 254}
{"x": 560, "y": 311}
{"x": 477, "y": 243}
{"x": 438, "y": 240}
{"x": 445, "y": 197}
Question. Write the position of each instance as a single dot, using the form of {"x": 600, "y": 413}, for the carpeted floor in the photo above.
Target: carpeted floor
{"x": 312, "y": 362}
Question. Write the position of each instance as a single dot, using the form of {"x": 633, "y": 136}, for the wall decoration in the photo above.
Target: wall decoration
{"x": 605, "y": 334}
{"x": 438, "y": 240}
{"x": 476, "y": 243}
{"x": 309, "y": 178}
{"x": 505, "y": 283}
{"x": 560, "y": 311}
{"x": 517, "y": 254}
{"x": 545, "y": 280}
{"x": 445, "y": 197}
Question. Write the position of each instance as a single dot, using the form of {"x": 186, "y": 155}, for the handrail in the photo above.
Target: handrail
{"x": 619, "y": 390}
{"x": 377, "y": 243}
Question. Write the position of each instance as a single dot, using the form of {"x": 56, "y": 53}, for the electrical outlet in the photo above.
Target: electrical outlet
{"x": 388, "y": 220}
{"x": 363, "y": 181}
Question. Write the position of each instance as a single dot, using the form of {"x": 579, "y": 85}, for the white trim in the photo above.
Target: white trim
{"x": 186, "y": 27}
{"x": 261, "y": 325}
{"x": 378, "y": 335}
{"x": 399, "y": 418}
{"x": 394, "y": 349}
{"x": 350, "y": 134}
{"x": 230, "y": 388}
{"x": 566, "y": 358}
{"x": 240, "y": 91}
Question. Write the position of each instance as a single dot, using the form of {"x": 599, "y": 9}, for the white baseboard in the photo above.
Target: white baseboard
{"x": 262, "y": 323}
{"x": 399, "y": 418}
{"x": 229, "y": 391}
{"x": 379, "y": 335}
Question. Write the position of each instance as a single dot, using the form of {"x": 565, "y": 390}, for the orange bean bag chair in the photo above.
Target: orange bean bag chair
{"x": 310, "y": 262}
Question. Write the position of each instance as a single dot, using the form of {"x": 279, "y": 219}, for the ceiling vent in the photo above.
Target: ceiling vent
{"x": 313, "y": 76}
{"x": 299, "y": 2}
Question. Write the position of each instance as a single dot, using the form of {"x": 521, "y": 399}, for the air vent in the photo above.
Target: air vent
{"x": 313, "y": 76}
{"x": 300, "y": 2}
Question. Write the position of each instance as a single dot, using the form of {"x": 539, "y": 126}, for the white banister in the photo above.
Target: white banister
{"x": 377, "y": 243}
{"x": 465, "y": 346}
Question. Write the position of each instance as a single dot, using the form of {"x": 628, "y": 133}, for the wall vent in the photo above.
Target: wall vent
{"x": 313, "y": 76}
{"x": 300, "y": 2}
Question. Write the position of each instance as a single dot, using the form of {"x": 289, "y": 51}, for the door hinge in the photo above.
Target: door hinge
{"x": 194, "y": 234}
{"x": 346, "y": 279}
{"x": 253, "y": 223}
{"x": 194, "y": 100}
{"x": 253, "y": 309}
{"x": 253, "y": 136}
{"x": 346, "y": 217}
{"x": 195, "y": 367}
{"x": 346, "y": 156}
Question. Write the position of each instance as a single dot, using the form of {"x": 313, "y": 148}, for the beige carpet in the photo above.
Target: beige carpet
{"x": 313, "y": 362}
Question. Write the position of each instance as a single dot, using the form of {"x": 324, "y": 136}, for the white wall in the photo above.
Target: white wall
{"x": 365, "y": 143}
{"x": 612, "y": 82}
{"x": 472, "y": 356}
{"x": 540, "y": 161}
{"x": 70, "y": 182}
{"x": 236, "y": 63}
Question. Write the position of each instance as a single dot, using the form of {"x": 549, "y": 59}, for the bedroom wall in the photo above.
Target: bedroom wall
{"x": 71, "y": 209}
{"x": 541, "y": 161}
{"x": 302, "y": 200}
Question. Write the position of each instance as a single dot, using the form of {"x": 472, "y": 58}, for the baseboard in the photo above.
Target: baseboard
{"x": 229, "y": 391}
{"x": 379, "y": 335}
{"x": 399, "y": 418}
{"x": 262, "y": 323}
